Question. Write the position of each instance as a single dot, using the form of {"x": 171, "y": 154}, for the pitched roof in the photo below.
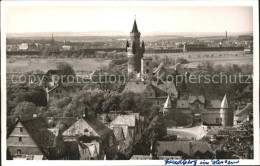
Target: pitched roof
{"x": 63, "y": 123}
{"x": 38, "y": 130}
{"x": 143, "y": 87}
{"x": 182, "y": 104}
{"x": 137, "y": 87}
{"x": 213, "y": 104}
{"x": 129, "y": 120}
{"x": 168, "y": 88}
{"x": 99, "y": 128}
{"x": 187, "y": 147}
{"x": 200, "y": 98}
{"x": 245, "y": 110}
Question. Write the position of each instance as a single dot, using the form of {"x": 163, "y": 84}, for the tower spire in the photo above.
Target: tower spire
{"x": 52, "y": 39}
{"x": 135, "y": 29}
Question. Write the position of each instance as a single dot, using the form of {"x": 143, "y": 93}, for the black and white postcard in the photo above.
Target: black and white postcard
{"x": 152, "y": 82}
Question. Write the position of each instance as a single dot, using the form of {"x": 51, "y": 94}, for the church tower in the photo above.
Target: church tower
{"x": 134, "y": 51}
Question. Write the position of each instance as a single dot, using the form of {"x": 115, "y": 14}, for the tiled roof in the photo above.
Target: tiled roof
{"x": 213, "y": 104}
{"x": 200, "y": 98}
{"x": 182, "y": 104}
{"x": 38, "y": 130}
{"x": 129, "y": 120}
{"x": 187, "y": 147}
{"x": 168, "y": 88}
{"x": 245, "y": 110}
{"x": 97, "y": 126}
{"x": 143, "y": 87}
{"x": 137, "y": 87}
{"x": 63, "y": 123}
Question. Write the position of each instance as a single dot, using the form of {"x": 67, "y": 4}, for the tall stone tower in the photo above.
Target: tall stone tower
{"x": 134, "y": 51}
{"x": 146, "y": 68}
{"x": 226, "y": 113}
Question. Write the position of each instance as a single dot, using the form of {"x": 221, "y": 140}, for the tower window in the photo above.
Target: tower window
{"x": 21, "y": 130}
{"x": 20, "y": 139}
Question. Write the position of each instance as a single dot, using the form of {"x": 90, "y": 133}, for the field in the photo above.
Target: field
{"x": 18, "y": 65}
{"x": 25, "y": 65}
{"x": 217, "y": 57}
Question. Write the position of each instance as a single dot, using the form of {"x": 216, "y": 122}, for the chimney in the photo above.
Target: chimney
{"x": 226, "y": 36}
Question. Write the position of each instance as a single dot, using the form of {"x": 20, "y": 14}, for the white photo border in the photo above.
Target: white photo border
{"x": 188, "y": 3}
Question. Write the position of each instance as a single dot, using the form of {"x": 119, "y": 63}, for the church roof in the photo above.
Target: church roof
{"x": 135, "y": 29}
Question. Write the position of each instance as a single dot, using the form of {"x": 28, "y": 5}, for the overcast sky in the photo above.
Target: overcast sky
{"x": 149, "y": 19}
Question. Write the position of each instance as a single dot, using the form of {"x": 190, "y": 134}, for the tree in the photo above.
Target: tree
{"x": 66, "y": 69}
{"x": 25, "y": 110}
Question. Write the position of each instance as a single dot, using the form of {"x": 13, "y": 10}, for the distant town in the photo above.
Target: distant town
{"x": 124, "y": 98}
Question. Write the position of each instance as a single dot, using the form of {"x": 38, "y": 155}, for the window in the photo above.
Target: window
{"x": 158, "y": 103}
{"x": 60, "y": 91}
{"x": 147, "y": 71}
{"x": 19, "y": 151}
{"x": 20, "y": 139}
{"x": 57, "y": 91}
{"x": 21, "y": 130}
{"x": 147, "y": 63}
